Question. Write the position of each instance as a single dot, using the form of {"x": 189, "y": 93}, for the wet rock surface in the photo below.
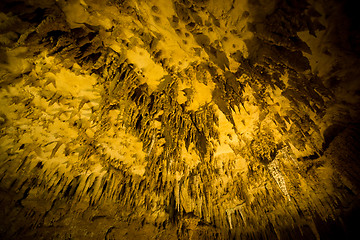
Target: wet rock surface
{"x": 178, "y": 120}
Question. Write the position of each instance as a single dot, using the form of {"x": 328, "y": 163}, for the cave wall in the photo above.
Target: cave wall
{"x": 179, "y": 119}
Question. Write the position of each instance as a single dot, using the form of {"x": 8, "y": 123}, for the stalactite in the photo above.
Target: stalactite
{"x": 107, "y": 123}
{"x": 231, "y": 211}
{"x": 277, "y": 175}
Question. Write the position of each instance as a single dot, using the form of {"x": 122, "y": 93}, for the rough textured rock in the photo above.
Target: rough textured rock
{"x": 179, "y": 119}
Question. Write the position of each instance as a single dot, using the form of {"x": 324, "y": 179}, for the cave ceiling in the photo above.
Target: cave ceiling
{"x": 179, "y": 119}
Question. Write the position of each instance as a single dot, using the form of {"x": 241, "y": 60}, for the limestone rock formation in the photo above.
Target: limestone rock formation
{"x": 179, "y": 119}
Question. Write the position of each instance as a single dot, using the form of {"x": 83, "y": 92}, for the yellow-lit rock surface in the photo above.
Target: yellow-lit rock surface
{"x": 179, "y": 119}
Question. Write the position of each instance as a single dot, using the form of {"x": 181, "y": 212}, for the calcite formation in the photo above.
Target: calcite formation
{"x": 179, "y": 119}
